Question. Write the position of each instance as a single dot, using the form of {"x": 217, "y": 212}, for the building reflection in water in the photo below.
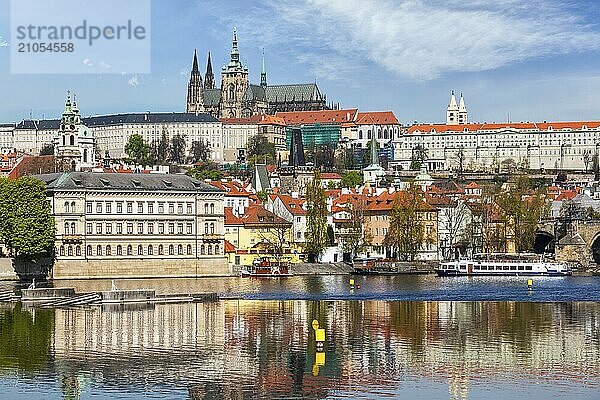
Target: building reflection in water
{"x": 250, "y": 349}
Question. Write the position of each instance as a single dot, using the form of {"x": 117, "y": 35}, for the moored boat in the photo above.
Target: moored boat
{"x": 503, "y": 264}
{"x": 265, "y": 267}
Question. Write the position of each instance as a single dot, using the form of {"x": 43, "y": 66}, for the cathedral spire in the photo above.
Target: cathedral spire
{"x": 195, "y": 63}
{"x": 263, "y": 73}
{"x": 209, "y": 78}
{"x": 452, "y": 111}
{"x": 195, "y": 96}
{"x": 462, "y": 111}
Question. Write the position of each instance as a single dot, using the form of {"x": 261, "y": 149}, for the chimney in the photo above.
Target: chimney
{"x": 295, "y": 195}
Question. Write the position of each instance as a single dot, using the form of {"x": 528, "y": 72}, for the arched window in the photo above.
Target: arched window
{"x": 66, "y": 206}
{"x": 369, "y": 134}
{"x": 72, "y": 228}
{"x": 98, "y": 250}
{"x": 72, "y": 140}
{"x": 360, "y": 134}
{"x": 108, "y": 251}
{"x": 202, "y": 250}
{"x": 70, "y": 251}
{"x": 72, "y": 206}
{"x": 140, "y": 250}
{"x": 66, "y": 228}
{"x": 385, "y": 134}
{"x": 129, "y": 250}
{"x": 212, "y": 208}
{"x": 119, "y": 250}
{"x": 212, "y": 228}
{"x": 78, "y": 251}
{"x": 150, "y": 250}
{"x": 189, "y": 249}
{"x": 217, "y": 249}
{"x": 210, "y": 249}
{"x": 171, "y": 250}
{"x": 180, "y": 250}
{"x": 379, "y": 134}
{"x": 206, "y": 228}
{"x": 160, "y": 250}
{"x": 206, "y": 208}
{"x": 89, "y": 250}
{"x": 84, "y": 155}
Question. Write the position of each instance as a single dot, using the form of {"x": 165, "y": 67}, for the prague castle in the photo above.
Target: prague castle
{"x": 237, "y": 97}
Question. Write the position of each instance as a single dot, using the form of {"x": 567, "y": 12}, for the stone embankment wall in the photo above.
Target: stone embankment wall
{"x": 7, "y": 272}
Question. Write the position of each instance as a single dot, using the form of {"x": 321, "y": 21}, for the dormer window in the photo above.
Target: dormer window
{"x": 168, "y": 183}
{"x": 136, "y": 183}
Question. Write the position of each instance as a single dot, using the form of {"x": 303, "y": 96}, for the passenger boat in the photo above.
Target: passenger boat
{"x": 265, "y": 267}
{"x": 503, "y": 264}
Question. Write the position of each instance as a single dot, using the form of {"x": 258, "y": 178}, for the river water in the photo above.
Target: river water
{"x": 396, "y": 337}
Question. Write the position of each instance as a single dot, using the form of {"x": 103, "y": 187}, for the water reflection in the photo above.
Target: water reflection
{"x": 253, "y": 349}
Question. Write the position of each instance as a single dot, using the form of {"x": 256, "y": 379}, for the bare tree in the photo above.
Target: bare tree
{"x": 356, "y": 236}
{"x": 452, "y": 222}
{"x": 587, "y": 159}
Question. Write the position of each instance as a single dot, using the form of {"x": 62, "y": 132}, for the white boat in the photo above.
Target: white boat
{"x": 503, "y": 264}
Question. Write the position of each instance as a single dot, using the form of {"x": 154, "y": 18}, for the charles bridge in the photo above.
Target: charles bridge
{"x": 579, "y": 244}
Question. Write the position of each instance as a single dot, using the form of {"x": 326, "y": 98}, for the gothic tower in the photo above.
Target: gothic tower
{"x": 195, "y": 95}
{"x": 263, "y": 73}
{"x": 452, "y": 111}
{"x": 234, "y": 83}
{"x": 209, "y": 78}
{"x": 462, "y": 111}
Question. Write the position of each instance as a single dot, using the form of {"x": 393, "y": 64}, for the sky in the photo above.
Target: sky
{"x": 514, "y": 60}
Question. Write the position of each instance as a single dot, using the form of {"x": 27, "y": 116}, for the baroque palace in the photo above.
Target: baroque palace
{"x": 238, "y": 98}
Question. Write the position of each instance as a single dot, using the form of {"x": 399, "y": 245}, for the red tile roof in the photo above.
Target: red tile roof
{"x": 258, "y": 215}
{"x": 272, "y": 120}
{"x": 536, "y": 126}
{"x": 473, "y": 185}
{"x": 32, "y": 165}
{"x": 255, "y": 119}
{"x": 377, "y": 118}
{"x": 294, "y": 206}
{"x": 230, "y": 218}
{"x": 229, "y": 248}
{"x": 330, "y": 175}
{"x": 233, "y": 189}
{"x": 322, "y": 117}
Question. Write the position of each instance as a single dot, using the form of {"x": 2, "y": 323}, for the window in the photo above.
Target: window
{"x": 150, "y": 250}
{"x": 180, "y": 250}
{"x": 129, "y": 250}
{"x": 98, "y": 208}
{"x": 108, "y": 251}
{"x": 140, "y": 250}
{"x": 73, "y": 208}
{"x": 189, "y": 208}
{"x": 129, "y": 229}
{"x": 298, "y": 219}
{"x": 66, "y": 228}
{"x": 171, "y": 250}
{"x": 160, "y": 250}
{"x": 189, "y": 249}
{"x": 216, "y": 249}
{"x": 179, "y": 208}
{"x": 70, "y": 251}
{"x": 189, "y": 229}
{"x": 171, "y": 228}
{"x": 206, "y": 208}
{"x": 108, "y": 228}
{"x": 212, "y": 208}
{"x": 150, "y": 208}
{"x": 206, "y": 228}
{"x": 119, "y": 208}
{"x": 171, "y": 208}
{"x": 161, "y": 208}
{"x": 129, "y": 208}
{"x": 140, "y": 208}
{"x": 212, "y": 228}
{"x": 180, "y": 229}
{"x": 99, "y": 229}
{"x": 119, "y": 250}
{"x": 108, "y": 208}
{"x": 161, "y": 228}
{"x": 88, "y": 207}
{"x": 67, "y": 207}
{"x": 140, "y": 228}
{"x": 98, "y": 250}
{"x": 89, "y": 250}
{"x": 78, "y": 251}
{"x": 202, "y": 249}
{"x": 119, "y": 228}
{"x": 150, "y": 228}
{"x": 210, "y": 249}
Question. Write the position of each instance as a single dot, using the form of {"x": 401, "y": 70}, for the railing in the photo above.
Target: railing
{"x": 72, "y": 238}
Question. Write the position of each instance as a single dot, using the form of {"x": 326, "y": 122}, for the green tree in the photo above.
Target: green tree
{"x": 263, "y": 196}
{"x": 26, "y": 222}
{"x": 351, "y": 179}
{"x": 200, "y": 151}
{"x": 419, "y": 156}
{"x": 178, "y": 149}
{"x": 137, "y": 149}
{"x": 316, "y": 221}
{"x": 47, "y": 150}
{"x": 260, "y": 148}
{"x": 207, "y": 170}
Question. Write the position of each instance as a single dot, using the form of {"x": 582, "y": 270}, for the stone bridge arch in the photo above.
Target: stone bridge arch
{"x": 581, "y": 245}
{"x": 545, "y": 238}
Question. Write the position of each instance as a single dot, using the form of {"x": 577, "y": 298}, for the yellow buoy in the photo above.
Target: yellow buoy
{"x": 351, "y": 282}
{"x": 530, "y": 284}
{"x": 320, "y": 335}
{"x": 320, "y": 359}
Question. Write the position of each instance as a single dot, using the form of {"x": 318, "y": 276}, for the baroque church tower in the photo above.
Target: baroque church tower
{"x": 195, "y": 96}
{"x": 234, "y": 83}
{"x": 456, "y": 114}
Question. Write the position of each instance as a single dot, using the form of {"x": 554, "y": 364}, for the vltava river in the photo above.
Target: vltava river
{"x": 266, "y": 349}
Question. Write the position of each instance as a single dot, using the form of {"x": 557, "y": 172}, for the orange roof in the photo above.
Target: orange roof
{"x": 229, "y": 248}
{"x": 258, "y": 215}
{"x": 294, "y": 206}
{"x": 385, "y": 201}
{"x": 566, "y": 195}
{"x": 271, "y": 120}
{"x": 472, "y": 185}
{"x": 377, "y": 118}
{"x": 255, "y": 119}
{"x": 230, "y": 218}
{"x": 31, "y": 165}
{"x": 330, "y": 175}
{"x": 233, "y": 189}
{"x": 322, "y": 117}
{"x": 536, "y": 126}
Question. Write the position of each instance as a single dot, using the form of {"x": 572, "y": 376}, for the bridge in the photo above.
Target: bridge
{"x": 579, "y": 244}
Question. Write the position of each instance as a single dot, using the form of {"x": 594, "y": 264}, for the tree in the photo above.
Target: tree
{"x": 26, "y": 223}
{"x": 178, "y": 149}
{"x": 587, "y": 159}
{"x": 316, "y": 213}
{"x": 351, "y": 179}
{"x": 137, "y": 149}
{"x": 419, "y": 156}
{"x": 203, "y": 171}
{"x": 596, "y": 166}
{"x": 323, "y": 157}
{"x": 259, "y": 147}
{"x": 276, "y": 236}
{"x": 263, "y": 196}
{"x": 407, "y": 235}
{"x": 460, "y": 161}
{"x": 47, "y": 150}
{"x": 163, "y": 148}
{"x": 200, "y": 151}
{"x": 367, "y": 155}
{"x": 452, "y": 222}
{"x": 357, "y": 236}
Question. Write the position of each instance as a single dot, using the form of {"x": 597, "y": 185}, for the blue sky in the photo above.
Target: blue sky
{"x": 526, "y": 60}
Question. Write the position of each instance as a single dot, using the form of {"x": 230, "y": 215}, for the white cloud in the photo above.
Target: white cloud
{"x": 87, "y": 62}
{"x": 421, "y": 39}
{"x": 134, "y": 81}
{"x": 3, "y": 43}
{"x": 104, "y": 65}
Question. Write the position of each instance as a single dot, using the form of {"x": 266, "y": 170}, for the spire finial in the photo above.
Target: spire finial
{"x": 263, "y": 73}
{"x": 195, "y": 63}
